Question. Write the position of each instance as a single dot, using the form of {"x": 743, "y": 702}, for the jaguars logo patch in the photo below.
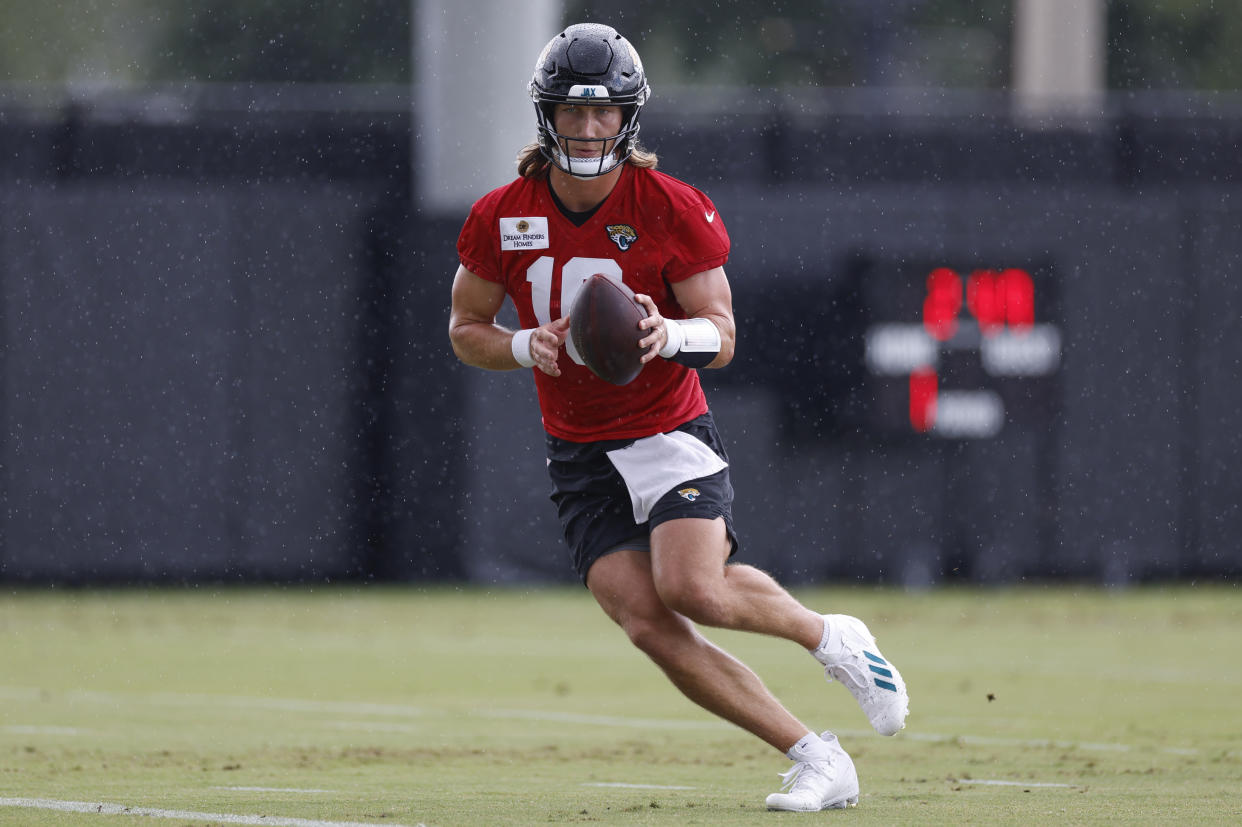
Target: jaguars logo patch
{"x": 623, "y": 235}
{"x": 690, "y": 494}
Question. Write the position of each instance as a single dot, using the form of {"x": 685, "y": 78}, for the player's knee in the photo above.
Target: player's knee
{"x": 694, "y": 599}
{"x": 658, "y": 639}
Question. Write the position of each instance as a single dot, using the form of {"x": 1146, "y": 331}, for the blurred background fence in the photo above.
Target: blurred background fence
{"x": 225, "y": 353}
{"x": 986, "y": 334}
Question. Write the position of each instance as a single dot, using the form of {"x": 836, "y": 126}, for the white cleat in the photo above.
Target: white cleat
{"x": 821, "y": 779}
{"x": 851, "y": 657}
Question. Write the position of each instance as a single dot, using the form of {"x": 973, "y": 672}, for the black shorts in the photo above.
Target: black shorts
{"x": 594, "y": 505}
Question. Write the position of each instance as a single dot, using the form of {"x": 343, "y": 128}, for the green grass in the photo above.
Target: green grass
{"x": 472, "y": 707}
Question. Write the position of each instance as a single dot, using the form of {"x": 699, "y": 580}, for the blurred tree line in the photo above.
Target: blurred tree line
{"x": 1152, "y": 44}
{"x": 231, "y": 41}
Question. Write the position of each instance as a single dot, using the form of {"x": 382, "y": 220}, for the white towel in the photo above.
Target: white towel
{"x": 654, "y": 465}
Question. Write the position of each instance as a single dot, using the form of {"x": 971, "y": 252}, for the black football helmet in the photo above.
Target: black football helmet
{"x": 586, "y": 64}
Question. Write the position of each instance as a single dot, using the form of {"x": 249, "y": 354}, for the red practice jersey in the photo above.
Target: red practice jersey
{"x": 650, "y": 232}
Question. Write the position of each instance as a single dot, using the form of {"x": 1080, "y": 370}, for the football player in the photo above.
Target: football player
{"x": 639, "y": 471}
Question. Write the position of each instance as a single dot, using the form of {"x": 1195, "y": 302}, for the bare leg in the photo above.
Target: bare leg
{"x": 715, "y": 680}
{"x": 688, "y": 569}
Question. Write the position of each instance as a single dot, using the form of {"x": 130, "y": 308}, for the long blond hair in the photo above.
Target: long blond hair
{"x": 532, "y": 163}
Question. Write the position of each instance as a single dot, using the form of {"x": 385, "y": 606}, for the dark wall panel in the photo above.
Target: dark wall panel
{"x": 1119, "y": 504}
{"x": 182, "y": 381}
{"x": 297, "y": 273}
{"x": 119, "y": 335}
{"x": 512, "y": 533}
{"x": 417, "y": 403}
{"x": 1213, "y": 385}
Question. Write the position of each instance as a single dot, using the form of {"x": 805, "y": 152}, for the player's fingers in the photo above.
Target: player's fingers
{"x": 653, "y": 313}
{"x": 548, "y": 365}
{"x": 547, "y": 343}
{"x": 653, "y": 342}
{"x": 545, "y": 349}
{"x": 553, "y": 334}
{"x": 656, "y": 338}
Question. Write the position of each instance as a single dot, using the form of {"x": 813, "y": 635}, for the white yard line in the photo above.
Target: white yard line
{"x": 625, "y": 786}
{"x": 182, "y": 699}
{"x": 1037, "y": 743}
{"x": 375, "y": 726}
{"x": 101, "y": 808}
{"x": 274, "y": 790}
{"x": 996, "y": 782}
{"x": 406, "y": 711}
{"x": 20, "y": 729}
{"x": 598, "y": 720}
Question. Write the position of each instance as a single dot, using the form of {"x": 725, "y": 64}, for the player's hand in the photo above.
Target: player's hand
{"x": 655, "y": 324}
{"x": 546, "y": 343}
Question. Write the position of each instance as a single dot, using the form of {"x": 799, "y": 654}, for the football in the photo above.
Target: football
{"x": 603, "y": 324}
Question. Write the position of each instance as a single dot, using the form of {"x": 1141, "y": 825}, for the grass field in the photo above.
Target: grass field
{"x": 468, "y": 707}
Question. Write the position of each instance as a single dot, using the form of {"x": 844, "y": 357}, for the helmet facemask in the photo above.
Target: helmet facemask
{"x": 554, "y": 145}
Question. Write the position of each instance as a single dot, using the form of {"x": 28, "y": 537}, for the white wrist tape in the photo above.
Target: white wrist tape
{"x": 692, "y": 342}
{"x": 673, "y": 331}
{"x": 520, "y": 346}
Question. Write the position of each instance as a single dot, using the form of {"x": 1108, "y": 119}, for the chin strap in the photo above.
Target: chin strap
{"x": 587, "y": 167}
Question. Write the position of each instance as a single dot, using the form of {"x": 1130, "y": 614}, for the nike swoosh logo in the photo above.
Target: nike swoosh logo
{"x": 710, "y": 216}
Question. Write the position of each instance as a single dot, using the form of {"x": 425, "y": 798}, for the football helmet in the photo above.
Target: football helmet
{"x": 587, "y": 64}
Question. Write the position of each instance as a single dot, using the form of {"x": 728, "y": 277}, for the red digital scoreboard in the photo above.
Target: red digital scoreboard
{"x": 961, "y": 350}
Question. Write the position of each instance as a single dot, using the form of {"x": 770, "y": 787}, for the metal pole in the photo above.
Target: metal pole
{"x": 471, "y": 113}
{"x": 1059, "y": 60}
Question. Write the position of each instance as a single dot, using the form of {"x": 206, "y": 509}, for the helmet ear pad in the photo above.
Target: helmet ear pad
{"x": 629, "y": 123}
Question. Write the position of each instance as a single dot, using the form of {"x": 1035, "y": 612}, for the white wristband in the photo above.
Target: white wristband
{"x": 520, "y": 347}
{"x": 675, "y": 337}
{"x": 691, "y": 342}
{"x": 691, "y": 335}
